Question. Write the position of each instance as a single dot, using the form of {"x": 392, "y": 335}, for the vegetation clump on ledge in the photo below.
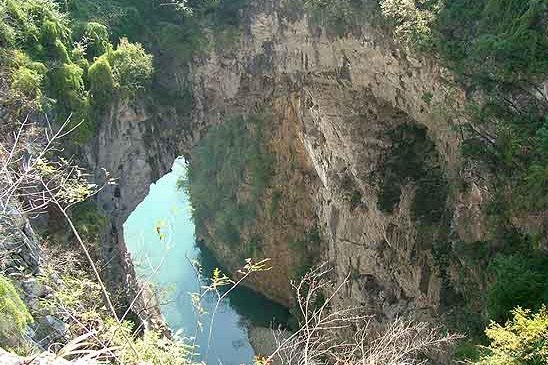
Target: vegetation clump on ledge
{"x": 48, "y": 59}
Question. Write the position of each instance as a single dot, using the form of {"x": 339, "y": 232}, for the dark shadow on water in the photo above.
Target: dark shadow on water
{"x": 251, "y": 305}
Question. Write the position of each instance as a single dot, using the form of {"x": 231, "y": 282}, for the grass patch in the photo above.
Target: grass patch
{"x": 14, "y": 315}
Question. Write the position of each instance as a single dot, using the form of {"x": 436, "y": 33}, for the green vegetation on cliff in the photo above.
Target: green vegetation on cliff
{"x": 174, "y": 31}
{"x": 413, "y": 158}
{"x": 521, "y": 280}
{"x": 230, "y": 169}
{"x": 14, "y": 315}
{"x": 48, "y": 56}
{"x": 498, "y": 51}
{"x": 74, "y": 57}
{"x": 522, "y": 340}
{"x": 77, "y": 301}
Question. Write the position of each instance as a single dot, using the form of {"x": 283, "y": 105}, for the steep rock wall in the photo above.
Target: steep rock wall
{"x": 346, "y": 112}
{"x": 354, "y": 103}
{"x": 133, "y": 147}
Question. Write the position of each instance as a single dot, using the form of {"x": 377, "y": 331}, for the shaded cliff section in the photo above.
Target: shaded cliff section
{"x": 365, "y": 139}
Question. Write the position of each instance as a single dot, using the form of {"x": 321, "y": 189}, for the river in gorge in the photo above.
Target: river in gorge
{"x": 160, "y": 237}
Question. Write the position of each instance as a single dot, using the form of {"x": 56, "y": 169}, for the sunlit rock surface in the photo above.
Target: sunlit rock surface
{"x": 343, "y": 110}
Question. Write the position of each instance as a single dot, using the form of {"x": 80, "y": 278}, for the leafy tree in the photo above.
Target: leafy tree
{"x": 523, "y": 340}
{"x": 412, "y": 21}
{"x": 520, "y": 281}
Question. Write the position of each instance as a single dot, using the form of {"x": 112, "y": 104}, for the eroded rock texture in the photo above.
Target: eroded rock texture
{"x": 366, "y": 156}
{"x": 375, "y": 160}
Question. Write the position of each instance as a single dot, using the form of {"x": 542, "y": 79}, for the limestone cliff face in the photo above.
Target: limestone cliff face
{"x": 130, "y": 146}
{"x": 376, "y": 164}
{"x": 365, "y": 154}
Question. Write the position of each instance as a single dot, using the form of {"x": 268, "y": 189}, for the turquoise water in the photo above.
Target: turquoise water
{"x": 160, "y": 236}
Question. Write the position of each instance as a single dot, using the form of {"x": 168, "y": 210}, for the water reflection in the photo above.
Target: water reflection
{"x": 253, "y": 307}
{"x": 160, "y": 236}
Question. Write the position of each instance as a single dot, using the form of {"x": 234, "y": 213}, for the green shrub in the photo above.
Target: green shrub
{"x": 520, "y": 281}
{"x": 79, "y": 300}
{"x": 466, "y": 350}
{"x": 151, "y": 348}
{"x": 37, "y": 33}
{"x": 67, "y": 85}
{"x": 35, "y": 22}
{"x": 14, "y": 315}
{"x": 412, "y": 21}
{"x": 97, "y": 40}
{"x": 101, "y": 81}
{"x": 17, "y": 16}
{"x": 78, "y": 57}
{"x": 7, "y": 34}
{"x": 523, "y": 340}
{"x": 494, "y": 43}
{"x": 125, "y": 70}
{"x": 512, "y": 37}
{"x": 59, "y": 52}
{"x": 51, "y": 32}
{"x": 27, "y": 82}
{"x": 67, "y": 77}
{"x": 131, "y": 67}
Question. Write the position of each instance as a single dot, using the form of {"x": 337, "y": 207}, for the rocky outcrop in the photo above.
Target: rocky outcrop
{"x": 375, "y": 155}
{"x": 265, "y": 341}
{"x": 366, "y": 152}
{"x": 134, "y": 147}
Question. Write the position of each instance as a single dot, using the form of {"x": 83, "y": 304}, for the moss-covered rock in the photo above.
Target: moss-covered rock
{"x": 14, "y": 315}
